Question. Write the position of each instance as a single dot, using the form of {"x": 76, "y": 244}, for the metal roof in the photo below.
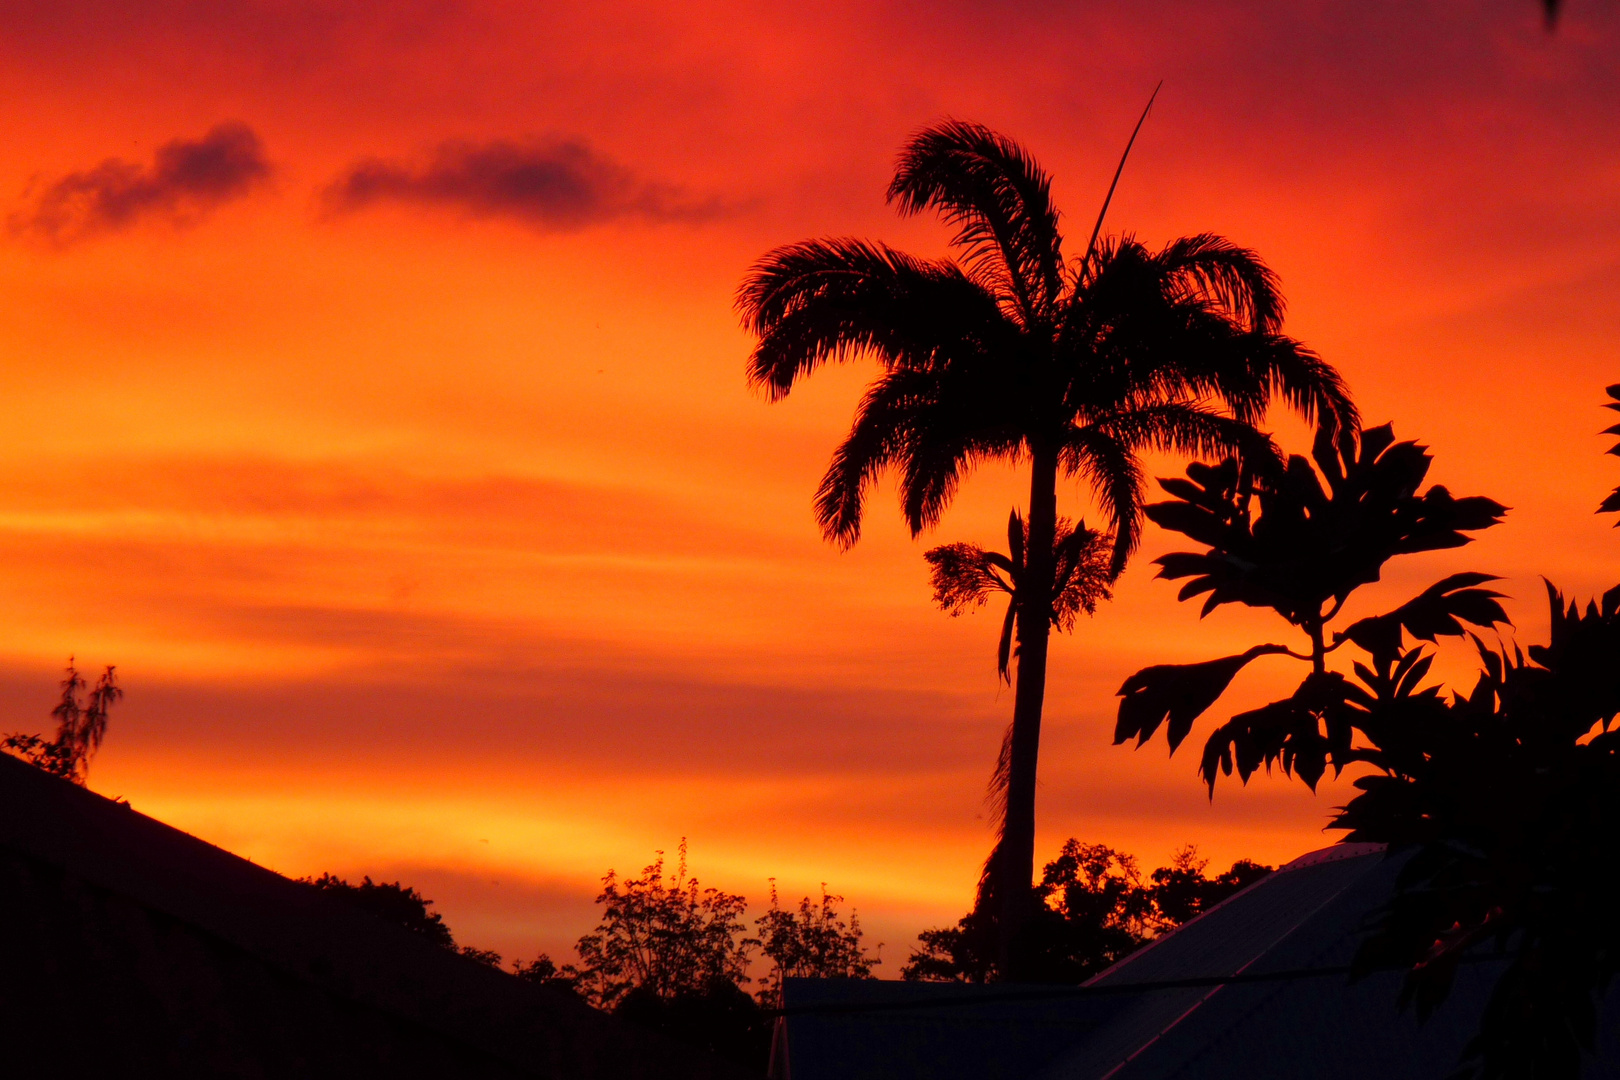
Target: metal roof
{"x": 1309, "y": 915}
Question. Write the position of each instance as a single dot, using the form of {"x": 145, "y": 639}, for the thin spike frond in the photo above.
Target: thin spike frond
{"x": 1102, "y": 214}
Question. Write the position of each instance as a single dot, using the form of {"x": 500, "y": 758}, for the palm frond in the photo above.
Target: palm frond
{"x": 995, "y": 794}
{"x": 969, "y": 415}
{"x": 1115, "y": 475}
{"x": 934, "y": 426}
{"x": 936, "y": 466}
{"x": 1000, "y": 201}
{"x": 1283, "y": 368}
{"x": 964, "y": 575}
{"x": 1215, "y": 270}
{"x": 825, "y": 301}
{"x": 1082, "y": 574}
{"x": 884, "y": 424}
{"x": 1184, "y": 427}
{"x": 1004, "y": 644}
{"x": 1182, "y": 323}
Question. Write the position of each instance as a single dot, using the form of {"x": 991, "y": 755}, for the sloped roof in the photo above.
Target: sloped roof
{"x": 1308, "y": 915}
{"x": 130, "y": 948}
{"x": 872, "y": 1029}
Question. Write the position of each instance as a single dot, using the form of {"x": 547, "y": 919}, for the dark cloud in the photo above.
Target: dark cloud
{"x": 186, "y": 179}
{"x": 554, "y": 185}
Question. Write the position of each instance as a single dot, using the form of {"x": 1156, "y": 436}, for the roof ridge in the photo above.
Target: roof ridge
{"x": 1333, "y": 853}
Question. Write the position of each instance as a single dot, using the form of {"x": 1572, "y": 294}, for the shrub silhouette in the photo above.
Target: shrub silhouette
{"x": 402, "y": 905}
{"x": 672, "y": 956}
{"x": 812, "y": 942}
{"x": 1510, "y": 797}
{"x": 1091, "y": 909}
{"x": 1611, "y": 505}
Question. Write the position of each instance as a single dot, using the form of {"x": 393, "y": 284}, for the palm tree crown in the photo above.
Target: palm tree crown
{"x": 1013, "y": 350}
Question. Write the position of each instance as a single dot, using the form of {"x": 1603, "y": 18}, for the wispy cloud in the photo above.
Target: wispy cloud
{"x": 553, "y": 185}
{"x": 185, "y": 180}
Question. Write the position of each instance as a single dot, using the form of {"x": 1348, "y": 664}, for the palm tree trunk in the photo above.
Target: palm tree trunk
{"x": 1015, "y": 870}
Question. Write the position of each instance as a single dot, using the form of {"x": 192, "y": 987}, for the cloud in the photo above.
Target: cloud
{"x": 556, "y": 185}
{"x": 186, "y": 179}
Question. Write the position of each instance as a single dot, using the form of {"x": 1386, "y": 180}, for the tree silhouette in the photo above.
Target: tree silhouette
{"x": 1503, "y": 800}
{"x": 664, "y": 938}
{"x": 1091, "y": 909}
{"x": 390, "y": 901}
{"x": 395, "y": 902}
{"x": 670, "y": 956}
{"x": 81, "y": 726}
{"x": 544, "y": 970}
{"x": 964, "y": 577}
{"x": 1182, "y": 891}
{"x": 1510, "y": 798}
{"x": 1611, "y": 505}
{"x": 813, "y": 942}
{"x": 1015, "y": 353}
{"x": 1299, "y": 540}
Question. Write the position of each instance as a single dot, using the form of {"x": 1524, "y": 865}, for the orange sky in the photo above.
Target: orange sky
{"x": 436, "y": 534}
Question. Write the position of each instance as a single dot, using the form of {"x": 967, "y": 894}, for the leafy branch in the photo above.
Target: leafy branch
{"x": 1299, "y": 540}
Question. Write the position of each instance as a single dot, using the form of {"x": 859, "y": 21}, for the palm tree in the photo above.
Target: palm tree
{"x": 1014, "y": 353}
{"x": 964, "y": 578}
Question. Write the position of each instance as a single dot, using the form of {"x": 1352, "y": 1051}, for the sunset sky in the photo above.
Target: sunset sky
{"x": 437, "y": 535}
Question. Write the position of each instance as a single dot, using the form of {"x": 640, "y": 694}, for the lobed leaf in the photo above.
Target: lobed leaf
{"x": 1440, "y": 610}
{"x": 1179, "y": 693}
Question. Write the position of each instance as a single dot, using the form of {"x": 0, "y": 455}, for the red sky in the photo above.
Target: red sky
{"x": 435, "y": 531}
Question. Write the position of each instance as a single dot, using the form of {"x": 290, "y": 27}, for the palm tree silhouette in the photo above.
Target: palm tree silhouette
{"x": 1014, "y": 353}
{"x": 965, "y": 576}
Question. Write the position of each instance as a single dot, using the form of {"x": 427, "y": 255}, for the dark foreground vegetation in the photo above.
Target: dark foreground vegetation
{"x": 676, "y": 957}
{"x": 1508, "y": 792}
{"x": 1091, "y": 908}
